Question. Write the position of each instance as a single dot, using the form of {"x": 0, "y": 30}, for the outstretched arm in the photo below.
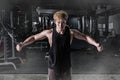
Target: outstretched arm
{"x": 86, "y": 38}
{"x": 31, "y": 39}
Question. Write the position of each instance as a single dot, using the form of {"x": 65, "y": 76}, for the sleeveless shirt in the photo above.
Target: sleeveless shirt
{"x": 59, "y": 53}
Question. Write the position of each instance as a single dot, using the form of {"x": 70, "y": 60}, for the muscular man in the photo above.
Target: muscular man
{"x": 60, "y": 38}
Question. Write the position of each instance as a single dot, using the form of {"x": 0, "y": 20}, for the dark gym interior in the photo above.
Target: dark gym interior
{"x": 99, "y": 19}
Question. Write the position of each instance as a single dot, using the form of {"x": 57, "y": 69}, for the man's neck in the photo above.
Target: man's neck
{"x": 60, "y": 31}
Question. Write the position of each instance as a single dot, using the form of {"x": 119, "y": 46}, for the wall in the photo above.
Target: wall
{"x": 116, "y": 22}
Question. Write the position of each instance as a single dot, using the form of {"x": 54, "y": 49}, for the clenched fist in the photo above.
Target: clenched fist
{"x": 19, "y": 46}
{"x": 100, "y": 48}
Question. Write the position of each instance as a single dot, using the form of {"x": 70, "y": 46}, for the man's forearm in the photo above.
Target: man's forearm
{"x": 28, "y": 41}
{"x": 92, "y": 41}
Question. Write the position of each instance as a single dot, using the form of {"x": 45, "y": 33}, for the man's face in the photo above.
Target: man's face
{"x": 60, "y": 24}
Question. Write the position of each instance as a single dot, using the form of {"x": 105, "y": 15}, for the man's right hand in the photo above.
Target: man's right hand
{"x": 19, "y": 46}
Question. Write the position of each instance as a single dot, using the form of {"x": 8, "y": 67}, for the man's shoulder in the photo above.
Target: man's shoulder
{"x": 48, "y": 31}
{"x": 74, "y": 31}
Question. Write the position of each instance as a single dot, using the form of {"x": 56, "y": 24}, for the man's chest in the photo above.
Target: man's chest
{"x": 50, "y": 38}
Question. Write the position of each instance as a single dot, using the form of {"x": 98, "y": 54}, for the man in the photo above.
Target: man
{"x": 59, "y": 38}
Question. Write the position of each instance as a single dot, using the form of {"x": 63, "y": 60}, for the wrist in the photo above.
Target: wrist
{"x": 98, "y": 45}
{"x": 21, "y": 44}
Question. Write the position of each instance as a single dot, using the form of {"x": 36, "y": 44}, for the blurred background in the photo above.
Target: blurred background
{"x": 96, "y": 18}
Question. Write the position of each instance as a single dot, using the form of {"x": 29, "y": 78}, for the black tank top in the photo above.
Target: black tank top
{"x": 59, "y": 53}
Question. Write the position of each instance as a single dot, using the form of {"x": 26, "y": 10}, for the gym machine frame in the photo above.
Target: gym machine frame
{"x": 6, "y": 32}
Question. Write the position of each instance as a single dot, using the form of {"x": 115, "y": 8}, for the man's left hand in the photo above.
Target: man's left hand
{"x": 100, "y": 48}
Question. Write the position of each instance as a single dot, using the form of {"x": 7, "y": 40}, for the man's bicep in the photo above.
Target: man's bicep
{"x": 79, "y": 35}
{"x": 40, "y": 36}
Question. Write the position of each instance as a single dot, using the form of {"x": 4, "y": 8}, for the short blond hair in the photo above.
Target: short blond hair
{"x": 60, "y": 15}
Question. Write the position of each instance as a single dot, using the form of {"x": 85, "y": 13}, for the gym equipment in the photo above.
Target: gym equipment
{"x": 6, "y": 50}
{"x": 5, "y": 35}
